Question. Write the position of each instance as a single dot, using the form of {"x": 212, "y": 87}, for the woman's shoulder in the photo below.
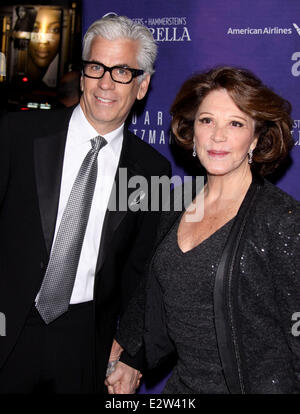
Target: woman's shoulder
{"x": 279, "y": 199}
{"x": 276, "y": 206}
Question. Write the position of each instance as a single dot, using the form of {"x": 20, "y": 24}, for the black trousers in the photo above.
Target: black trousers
{"x": 56, "y": 358}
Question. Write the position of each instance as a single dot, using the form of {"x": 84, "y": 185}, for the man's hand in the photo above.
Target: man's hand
{"x": 115, "y": 351}
{"x": 124, "y": 380}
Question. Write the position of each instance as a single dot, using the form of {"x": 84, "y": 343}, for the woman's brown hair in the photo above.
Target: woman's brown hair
{"x": 270, "y": 112}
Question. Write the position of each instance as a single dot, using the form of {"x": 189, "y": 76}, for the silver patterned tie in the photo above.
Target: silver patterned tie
{"x": 56, "y": 290}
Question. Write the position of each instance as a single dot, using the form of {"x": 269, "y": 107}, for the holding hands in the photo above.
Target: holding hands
{"x": 121, "y": 378}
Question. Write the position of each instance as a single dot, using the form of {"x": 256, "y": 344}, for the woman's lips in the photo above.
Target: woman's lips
{"x": 217, "y": 154}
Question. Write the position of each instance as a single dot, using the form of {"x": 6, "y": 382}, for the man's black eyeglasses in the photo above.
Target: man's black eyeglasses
{"x": 120, "y": 74}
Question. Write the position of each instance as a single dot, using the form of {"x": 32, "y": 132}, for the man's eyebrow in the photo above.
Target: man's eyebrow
{"x": 121, "y": 65}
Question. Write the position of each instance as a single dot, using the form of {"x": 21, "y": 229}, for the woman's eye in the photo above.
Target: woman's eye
{"x": 54, "y": 30}
{"x": 236, "y": 124}
{"x": 205, "y": 120}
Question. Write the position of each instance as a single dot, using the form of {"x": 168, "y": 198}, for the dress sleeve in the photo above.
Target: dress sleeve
{"x": 286, "y": 267}
{"x": 157, "y": 341}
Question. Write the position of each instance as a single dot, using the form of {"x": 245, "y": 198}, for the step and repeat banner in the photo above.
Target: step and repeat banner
{"x": 195, "y": 35}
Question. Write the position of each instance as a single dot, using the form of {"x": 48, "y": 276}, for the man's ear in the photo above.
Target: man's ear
{"x": 81, "y": 83}
{"x": 143, "y": 87}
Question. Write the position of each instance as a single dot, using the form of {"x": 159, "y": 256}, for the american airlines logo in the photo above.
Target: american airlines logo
{"x": 297, "y": 28}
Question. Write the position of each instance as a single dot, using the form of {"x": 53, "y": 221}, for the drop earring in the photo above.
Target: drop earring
{"x": 250, "y": 156}
{"x": 194, "y": 150}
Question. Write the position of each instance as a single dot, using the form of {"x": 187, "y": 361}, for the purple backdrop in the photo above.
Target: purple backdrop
{"x": 260, "y": 35}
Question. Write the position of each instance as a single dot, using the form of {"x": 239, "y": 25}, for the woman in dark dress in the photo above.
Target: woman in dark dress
{"x": 223, "y": 288}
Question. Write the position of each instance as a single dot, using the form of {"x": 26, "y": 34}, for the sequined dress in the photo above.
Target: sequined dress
{"x": 264, "y": 297}
{"x": 187, "y": 282}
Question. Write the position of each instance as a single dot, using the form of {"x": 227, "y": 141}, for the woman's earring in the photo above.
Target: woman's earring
{"x": 250, "y": 156}
{"x": 194, "y": 150}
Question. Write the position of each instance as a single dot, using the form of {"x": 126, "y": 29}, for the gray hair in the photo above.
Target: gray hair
{"x": 117, "y": 27}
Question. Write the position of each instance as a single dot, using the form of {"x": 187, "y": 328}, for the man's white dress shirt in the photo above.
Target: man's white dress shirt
{"x": 80, "y": 132}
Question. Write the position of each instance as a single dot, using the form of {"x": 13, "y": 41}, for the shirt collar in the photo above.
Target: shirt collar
{"x": 82, "y": 131}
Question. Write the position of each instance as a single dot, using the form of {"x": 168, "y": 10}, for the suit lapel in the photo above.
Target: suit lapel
{"x": 48, "y": 161}
{"x": 114, "y": 217}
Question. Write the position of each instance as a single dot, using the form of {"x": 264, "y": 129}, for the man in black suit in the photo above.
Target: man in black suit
{"x": 41, "y": 159}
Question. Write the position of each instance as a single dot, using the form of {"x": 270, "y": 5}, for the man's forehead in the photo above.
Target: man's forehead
{"x": 119, "y": 42}
{"x": 120, "y": 47}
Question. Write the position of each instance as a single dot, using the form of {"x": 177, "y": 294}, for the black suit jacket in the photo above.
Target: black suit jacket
{"x": 31, "y": 160}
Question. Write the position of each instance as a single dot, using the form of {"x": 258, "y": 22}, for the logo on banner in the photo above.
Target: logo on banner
{"x": 168, "y": 29}
{"x": 264, "y": 30}
{"x": 295, "y": 69}
{"x": 151, "y": 127}
{"x": 296, "y": 131}
{"x": 164, "y": 29}
{"x": 252, "y": 31}
{"x": 297, "y": 28}
{"x": 296, "y": 66}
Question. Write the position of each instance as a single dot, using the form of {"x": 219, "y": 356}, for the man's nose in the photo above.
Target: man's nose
{"x": 106, "y": 81}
